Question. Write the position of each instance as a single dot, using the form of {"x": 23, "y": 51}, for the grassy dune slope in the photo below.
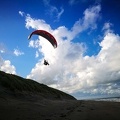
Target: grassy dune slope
{"x": 14, "y": 85}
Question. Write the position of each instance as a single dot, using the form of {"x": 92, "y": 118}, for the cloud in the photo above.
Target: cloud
{"x": 70, "y": 70}
{"x": 17, "y": 52}
{"x": 107, "y": 28}
{"x": 2, "y": 48}
{"x": 36, "y": 24}
{"x": 60, "y": 13}
{"x": 60, "y": 59}
{"x": 21, "y": 13}
{"x": 53, "y": 10}
{"x": 73, "y": 2}
{"x": 37, "y": 54}
{"x": 46, "y": 2}
{"x": 5, "y": 65}
{"x": 1, "y": 61}
{"x": 91, "y": 15}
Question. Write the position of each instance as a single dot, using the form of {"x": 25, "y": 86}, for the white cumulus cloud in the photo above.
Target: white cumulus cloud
{"x": 61, "y": 73}
{"x": 69, "y": 69}
{"x": 5, "y": 65}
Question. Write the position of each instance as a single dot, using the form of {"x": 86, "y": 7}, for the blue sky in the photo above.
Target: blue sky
{"x": 86, "y": 61}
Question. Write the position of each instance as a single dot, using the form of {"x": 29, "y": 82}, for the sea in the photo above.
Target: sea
{"x": 111, "y": 99}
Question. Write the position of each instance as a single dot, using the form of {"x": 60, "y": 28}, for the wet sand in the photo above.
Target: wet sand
{"x": 20, "y": 109}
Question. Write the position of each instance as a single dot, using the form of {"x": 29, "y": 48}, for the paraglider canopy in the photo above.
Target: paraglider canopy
{"x": 46, "y": 35}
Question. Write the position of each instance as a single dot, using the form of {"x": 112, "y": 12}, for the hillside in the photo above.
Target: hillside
{"x": 15, "y": 86}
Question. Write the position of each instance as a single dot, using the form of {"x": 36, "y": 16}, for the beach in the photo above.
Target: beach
{"x": 23, "y": 99}
{"x": 31, "y": 109}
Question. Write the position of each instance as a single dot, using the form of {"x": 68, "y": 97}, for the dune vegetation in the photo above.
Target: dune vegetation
{"x": 16, "y": 84}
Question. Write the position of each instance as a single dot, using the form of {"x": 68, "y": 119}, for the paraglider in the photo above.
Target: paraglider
{"x": 46, "y": 35}
{"x": 46, "y": 62}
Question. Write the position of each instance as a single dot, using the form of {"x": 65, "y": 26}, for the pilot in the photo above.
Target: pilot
{"x": 46, "y": 62}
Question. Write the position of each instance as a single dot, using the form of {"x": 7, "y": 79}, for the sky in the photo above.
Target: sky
{"x": 86, "y": 62}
